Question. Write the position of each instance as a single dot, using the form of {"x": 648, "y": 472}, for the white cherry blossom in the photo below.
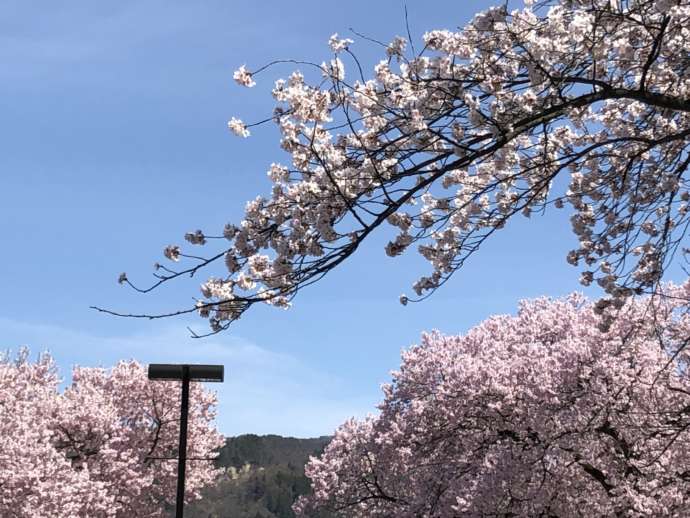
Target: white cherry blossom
{"x": 450, "y": 144}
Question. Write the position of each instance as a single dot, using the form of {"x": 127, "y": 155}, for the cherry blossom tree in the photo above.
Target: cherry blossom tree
{"x": 100, "y": 448}
{"x": 448, "y": 143}
{"x": 538, "y": 414}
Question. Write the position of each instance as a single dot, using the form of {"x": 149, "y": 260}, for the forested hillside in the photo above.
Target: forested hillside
{"x": 264, "y": 475}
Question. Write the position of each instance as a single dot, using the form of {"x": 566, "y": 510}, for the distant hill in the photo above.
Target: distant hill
{"x": 264, "y": 475}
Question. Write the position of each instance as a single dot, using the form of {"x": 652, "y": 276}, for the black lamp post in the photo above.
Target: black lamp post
{"x": 186, "y": 373}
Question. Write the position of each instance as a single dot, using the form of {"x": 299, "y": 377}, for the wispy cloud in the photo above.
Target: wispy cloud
{"x": 264, "y": 391}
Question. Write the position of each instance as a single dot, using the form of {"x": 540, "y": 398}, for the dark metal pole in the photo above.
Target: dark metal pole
{"x": 182, "y": 460}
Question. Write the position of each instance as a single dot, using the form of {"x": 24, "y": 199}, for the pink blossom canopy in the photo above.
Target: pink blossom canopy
{"x": 91, "y": 450}
{"x": 538, "y": 414}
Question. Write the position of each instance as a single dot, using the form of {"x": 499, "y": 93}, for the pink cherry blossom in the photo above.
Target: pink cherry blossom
{"x": 537, "y": 414}
{"x": 243, "y": 77}
{"x": 100, "y": 447}
{"x": 238, "y": 127}
{"x": 339, "y": 44}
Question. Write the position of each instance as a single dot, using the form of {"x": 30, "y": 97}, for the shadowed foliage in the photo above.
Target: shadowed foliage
{"x": 264, "y": 475}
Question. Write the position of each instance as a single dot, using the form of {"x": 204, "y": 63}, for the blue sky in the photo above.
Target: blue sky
{"x": 115, "y": 144}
